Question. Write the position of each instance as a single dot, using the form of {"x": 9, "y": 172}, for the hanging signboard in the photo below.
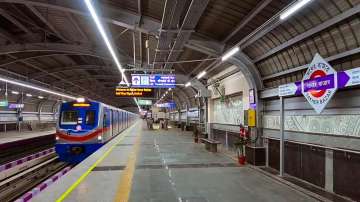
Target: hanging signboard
{"x": 170, "y": 105}
{"x": 16, "y": 106}
{"x": 153, "y": 80}
{"x": 4, "y": 103}
{"x": 145, "y": 102}
{"x": 320, "y": 83}
{"x": 134, "y": 92}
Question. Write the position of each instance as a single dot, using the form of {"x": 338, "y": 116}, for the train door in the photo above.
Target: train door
{"x": 112, "y": 123}
{"x": 122, "y": 120}
{"x": 107, "y": 122}
{"x": 118, "y": 121}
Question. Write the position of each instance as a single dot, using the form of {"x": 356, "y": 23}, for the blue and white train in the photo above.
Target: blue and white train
{"x": 84, "y": 127}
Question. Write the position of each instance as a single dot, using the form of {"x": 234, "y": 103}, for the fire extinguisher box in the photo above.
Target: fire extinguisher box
{"x": 255, "y": 155}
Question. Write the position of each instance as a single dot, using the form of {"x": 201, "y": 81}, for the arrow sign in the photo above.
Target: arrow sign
{"x": 290, "y": 89}
{"x": 349, "y": 78}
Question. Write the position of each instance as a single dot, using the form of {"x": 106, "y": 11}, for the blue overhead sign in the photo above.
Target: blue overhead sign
{"x": 153, "y": 80}
{"x": 170, "y": 105}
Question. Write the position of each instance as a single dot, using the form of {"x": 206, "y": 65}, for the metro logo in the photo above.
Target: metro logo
{"x": 319, "y": 83}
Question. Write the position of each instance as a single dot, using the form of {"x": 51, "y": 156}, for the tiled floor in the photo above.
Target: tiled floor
{"x": 170, "y": 167}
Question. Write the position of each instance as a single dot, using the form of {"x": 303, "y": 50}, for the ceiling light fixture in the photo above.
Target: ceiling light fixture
{"x": 80, "y": 99}
{"x": 107, "y": 42}
{"x": 294, "y": 8}
{"x": 230, "y": 53}
{"x": 18, "y": 83}
{"x": 15, "y": 92}
{"x": 201, "y": 74}
{"x": 28, "y": 95}
{"x": 188, "y": 84}
{"x": 105, "y": 37}
{"x": 40, "y": 97}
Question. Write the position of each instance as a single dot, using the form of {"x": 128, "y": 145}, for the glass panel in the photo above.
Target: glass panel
{"x": 90, "y": 117}
{"x": 69, "y": 117}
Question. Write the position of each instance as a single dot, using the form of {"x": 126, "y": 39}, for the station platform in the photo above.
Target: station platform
{"x": 159, "y": 165}
{"x": 15, "y": 136}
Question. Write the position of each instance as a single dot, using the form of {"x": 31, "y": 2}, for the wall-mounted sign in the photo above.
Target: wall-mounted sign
{"x": 170, "y": 105}
{"x": 153, "y": 80}
{"x": 16, "y": 106}
{"x": 251, "y": 96}
{"x": 4, "y": 103}
{"x": 320, "y": 83}
{"x": 134, "y": 92}
{"x": 145, "y": 102}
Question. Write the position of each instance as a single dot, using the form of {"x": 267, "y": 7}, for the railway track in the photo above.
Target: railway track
{"x": 17, "y": 185}
{"x": 16, "y": 150}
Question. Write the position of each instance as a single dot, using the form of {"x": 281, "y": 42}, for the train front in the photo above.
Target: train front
{"x": 78, "y": 132}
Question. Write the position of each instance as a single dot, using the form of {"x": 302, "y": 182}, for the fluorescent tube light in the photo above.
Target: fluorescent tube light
{"x": 188, "y": 84}
{"x": 15, "y": 92}
{"x": 199, "y": 76}
{"x": 40, "y": 97}
{"x": 230, "y": 53}
{"x": 80, "y": 99}
{"x": 105, "y": 37}
{"x": 295, "y": 7}
{"x": 36, "y": 88}
{"x": 28, "y": 95}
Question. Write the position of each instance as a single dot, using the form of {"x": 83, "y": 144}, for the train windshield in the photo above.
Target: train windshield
{"x": 69, "y": 117}
{"x": 90, "y": 117}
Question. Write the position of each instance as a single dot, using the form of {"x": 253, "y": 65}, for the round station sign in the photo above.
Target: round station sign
{"x": 319, "y": 83}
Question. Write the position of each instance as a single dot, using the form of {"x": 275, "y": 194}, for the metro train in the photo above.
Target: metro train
{"x": 83, "y": 127}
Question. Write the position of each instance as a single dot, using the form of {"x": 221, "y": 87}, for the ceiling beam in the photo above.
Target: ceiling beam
{"x": 76, "y": 25}
{"x": 192, "y": 17}
{"x": 170, "y": 18}
{"x": 63, "y": 69}
{"x": 46, "y": 22}
{"x": 12, "y": 19}
{"x": 303, "y": 67}
{"x": 116, "y": 16}
{"x": 8, "y": 36}
{"x": 250, "y": 16}
{"x": 344, "y": 15}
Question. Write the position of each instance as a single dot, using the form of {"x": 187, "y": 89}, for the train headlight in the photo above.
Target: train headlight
{"x": 99, "y": 137}
{"x": 78, "y": 127}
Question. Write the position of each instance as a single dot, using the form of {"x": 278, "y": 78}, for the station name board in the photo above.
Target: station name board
{"x": 134, "y": 92}
{"x": 153, "y": 80}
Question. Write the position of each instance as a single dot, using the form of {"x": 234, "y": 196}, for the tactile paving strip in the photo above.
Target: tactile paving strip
{"x": 158, "y": 166}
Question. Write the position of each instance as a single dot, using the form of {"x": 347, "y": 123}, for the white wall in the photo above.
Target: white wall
{"x": 233, "y": 84}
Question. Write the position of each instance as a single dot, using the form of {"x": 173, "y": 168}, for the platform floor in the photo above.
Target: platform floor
{"x": 165, "y": 166}
{"x": 12, "y": 136}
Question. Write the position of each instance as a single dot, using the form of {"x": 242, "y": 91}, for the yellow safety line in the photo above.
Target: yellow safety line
{"x": 84, "y": 175}
{"x": 124, "y": 187}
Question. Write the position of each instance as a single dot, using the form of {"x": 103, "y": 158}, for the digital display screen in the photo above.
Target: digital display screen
{"x": 153, "y": 80}
{"x": 81, "y": 105}
{"x": 134, "y": 92}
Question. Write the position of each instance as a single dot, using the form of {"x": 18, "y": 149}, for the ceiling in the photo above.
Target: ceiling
{"x": 55, "y": 44}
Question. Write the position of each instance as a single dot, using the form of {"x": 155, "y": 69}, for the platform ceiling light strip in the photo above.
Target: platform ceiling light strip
{"x": 294, "y": 8}
{"x": 107, "y": 41}
{"x": 188, "y": 84}
{"x": 230, "y": 53}
{"x": 105, "y": 37}
{"x": 199, "y": 76}
{"x": 37, "y": 88}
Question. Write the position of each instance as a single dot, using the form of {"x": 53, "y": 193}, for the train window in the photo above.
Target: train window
{"x": 90, "y": 117}
{"x": 69, "y": 117}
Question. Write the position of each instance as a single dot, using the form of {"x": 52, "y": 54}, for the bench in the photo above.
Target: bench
{"x": 210, "y": 145}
